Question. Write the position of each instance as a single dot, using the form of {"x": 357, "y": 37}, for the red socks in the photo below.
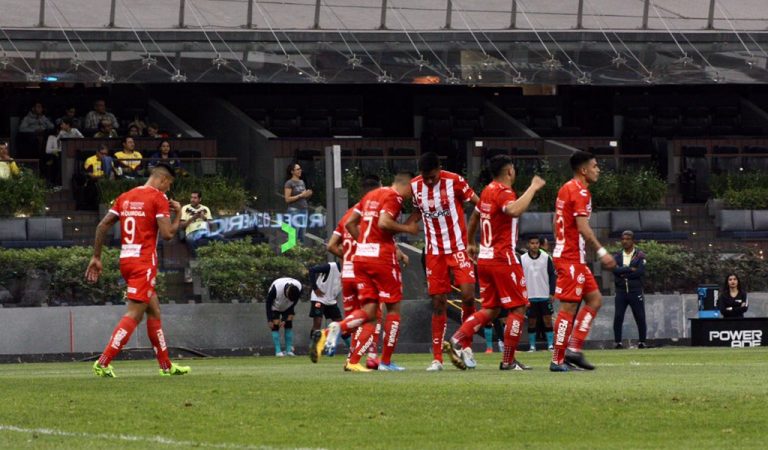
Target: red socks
{"x": 121, "y": 334}
{"x": 156, "y": 337}
{"x": 364, "y": 341}
{"x": 438, "y": 334}
{"x": 512, "y": 332}
{"x": 470, "y": 327}
{"x": 466, "y": 311}
{"x": 581, "y": 328}
{"x": 391, "y": 330}
{"x": 562, "y": 334}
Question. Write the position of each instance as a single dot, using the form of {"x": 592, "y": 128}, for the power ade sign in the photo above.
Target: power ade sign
{"x": 736, "y": 333}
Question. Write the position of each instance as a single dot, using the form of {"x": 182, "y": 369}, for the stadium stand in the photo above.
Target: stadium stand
{"x": 33, "y": 232}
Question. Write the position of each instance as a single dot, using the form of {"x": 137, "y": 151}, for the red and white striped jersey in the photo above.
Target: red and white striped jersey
{"x": 573, "y": 199}
{"x": 441, "y": 209}
{"x": 498, "y": 231}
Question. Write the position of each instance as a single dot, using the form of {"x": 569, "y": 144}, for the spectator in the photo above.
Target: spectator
{"x": 139, "y": 124}
{"x": 8, "y": 167}
{"x": 628, "y": 277}
{"x": 194, "y": 222}
{"x": 282, "y": 297}
{"x": 153, "y": 131}
{"x": 296, "y": 195}
{"x": 540, "y": 280}
{"x": 166, "y": 155}
{"x": 71, "y": 114}
{"x": 106, "y": 130}
{"x": 99, "y": 165}
{"x": 326, "y": 287}
{"x": 133, "y": 131}
{"x": 35, "y": 121}
{"x": 53, "y": 149}
{"x": 93, "y": 118}
{"x": 733, "y": 298}
{"x": 129, "y": 159}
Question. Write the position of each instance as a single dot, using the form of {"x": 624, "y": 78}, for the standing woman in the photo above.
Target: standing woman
{"x": 733, "y": 298}
{"x": 296, "y": 195}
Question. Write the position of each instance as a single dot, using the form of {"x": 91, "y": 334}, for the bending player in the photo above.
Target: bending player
{"x": 377, "y": 272}
{"x": 439, "y": 195}
{"x": 502, "y": 282}
{"x": 142, "y": 212}
{"x": 575, "y": 281}
{"x": 342, "y": 245}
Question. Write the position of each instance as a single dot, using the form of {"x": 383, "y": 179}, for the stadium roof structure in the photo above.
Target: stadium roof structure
{"x": 488, "y": 42}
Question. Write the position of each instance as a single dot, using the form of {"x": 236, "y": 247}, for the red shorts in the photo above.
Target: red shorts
{"x": 502, "y": 286}
{"x": 574, "y": 280}
{"x": 349, "y": 294}
{"x": 378, "y": 282}
{"x": 140, "y": 280}
{"x": 439, "y": 268}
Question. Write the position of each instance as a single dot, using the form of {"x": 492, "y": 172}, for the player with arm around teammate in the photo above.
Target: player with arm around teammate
{"x": 575, "y": 282}
{"x": 377, "y": 271}
{"x": 502, "y": 281}
{"x": 143, "y": 212}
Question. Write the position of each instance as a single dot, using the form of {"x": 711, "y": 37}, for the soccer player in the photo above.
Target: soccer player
{"x": 439, "y": 196}
{"x": 540, "y": 279}
{"x": 342, "y": 245}
{"x": 378, "y": 274}
{"x": 502, "y": 282}
{"x": 282, "y": 297}
{"x": 142, "y": 212}
{"x": 575, "y": 281}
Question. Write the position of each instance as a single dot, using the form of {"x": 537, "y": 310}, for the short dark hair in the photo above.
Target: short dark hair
{"x": 370, "y": 182}
{"x": 403, "y": 176}
{"x": 164, "y": 166}
{"x": 292, "y": 292}
{"x": 103, "y": 146}
{"x": 428, "y": 162}
{"x": 67, "y": 120}
{"x": 579, "y": 158}
{"x": 198, "y": 192}
{"x": 154, "y": 125}
{"x": 125, "y": 139}
{"x": 498, "y": 163}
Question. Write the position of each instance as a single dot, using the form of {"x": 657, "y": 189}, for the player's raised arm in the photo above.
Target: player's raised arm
{"x": 519, "y": 206}
{"x": 169, "y": 227}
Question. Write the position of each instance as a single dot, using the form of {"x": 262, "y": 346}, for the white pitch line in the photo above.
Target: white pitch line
{"x": 130, "y": 438}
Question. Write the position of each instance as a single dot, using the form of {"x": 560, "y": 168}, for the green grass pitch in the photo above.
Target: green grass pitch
{"x": 655, "y": 398}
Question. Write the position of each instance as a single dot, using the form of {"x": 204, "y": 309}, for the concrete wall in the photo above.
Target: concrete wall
{"x": 86, "y": 329}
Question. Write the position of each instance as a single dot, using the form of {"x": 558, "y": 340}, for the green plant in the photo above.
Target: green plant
{"x": 747, "y": 198}
{"x": 66, "y": 266}
{"x": 243, "y": 271}
{"x": 224, "y": 196}
{"x": 745, "y": 190}
{"x": 22, "y": 195}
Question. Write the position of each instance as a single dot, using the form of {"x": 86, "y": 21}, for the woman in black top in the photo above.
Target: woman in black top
{"x": 733, "y": 298}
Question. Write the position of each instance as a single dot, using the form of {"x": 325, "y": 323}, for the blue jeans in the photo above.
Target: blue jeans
{"x": 298, "y": 220}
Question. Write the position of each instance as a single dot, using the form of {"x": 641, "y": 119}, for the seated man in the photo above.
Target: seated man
{"x": 99, "y": 114}
{"x": 71, "y": 114}
{"x": 99, "y": 165}
{"x": 129, "y": 159}
{"x": 106, "y": 130}
{"x": 194, "y": 221}
{"x": 8, "y": 167}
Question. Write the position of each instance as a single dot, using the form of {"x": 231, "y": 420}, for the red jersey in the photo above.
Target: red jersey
{"x": 375, "y": 245}
{"x": 348, "y": 243}
{"x": 138, "y": 210}
{"x": 441, "y": 209}
{"x": 573, "y": 200}
{"x": 498, "y": 230}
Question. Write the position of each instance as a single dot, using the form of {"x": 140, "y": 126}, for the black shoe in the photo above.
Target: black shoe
{"x": 618, "y": 346}
{"x": 573, "y": 367}
{"x": 559, "y": 367}
{"x": 642, "y": 345}
{"x": 577, "y": 359}
{"x": 514, "y": 365}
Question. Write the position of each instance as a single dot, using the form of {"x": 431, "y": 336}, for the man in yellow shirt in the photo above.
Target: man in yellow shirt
{"x": 99, "y": 165}
{"x": 8, "y": 167}
{"x": 129, "y": 159}
{"x": 194, "y": 220}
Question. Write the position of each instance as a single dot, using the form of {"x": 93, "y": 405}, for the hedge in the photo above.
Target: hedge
{"x": 224, "y": 196}
{"x": 743, "y": 190}
{"x": 671, "y": 267}
{"x": 24, "y": 194}
{"x": 240, "y": 270}
{"x": 66, "y": 268}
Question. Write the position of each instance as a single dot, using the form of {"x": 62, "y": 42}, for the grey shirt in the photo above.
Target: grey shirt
{"x": 297, "y": 187}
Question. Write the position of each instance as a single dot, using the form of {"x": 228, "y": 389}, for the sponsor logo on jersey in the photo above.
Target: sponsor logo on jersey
{"x": 581, "y": 278}
{"x": 132, "y": 290}
{"x": 505, "y": 300}
{"x": 121, "y": 333}
{"x": 383, "y": 294}
{"x": 436, "y": 214}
